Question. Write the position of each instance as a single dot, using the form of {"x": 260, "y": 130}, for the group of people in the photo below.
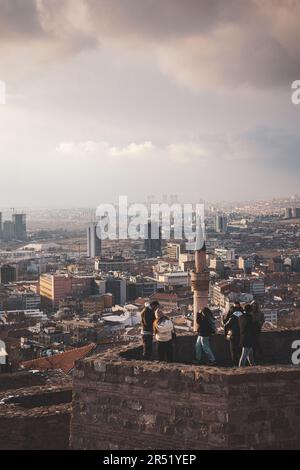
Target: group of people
{"x": 242, "y": 328}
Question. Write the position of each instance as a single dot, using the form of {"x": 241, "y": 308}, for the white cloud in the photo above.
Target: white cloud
{"x": 208, "y": 148}
{"x": 103, "y": 149}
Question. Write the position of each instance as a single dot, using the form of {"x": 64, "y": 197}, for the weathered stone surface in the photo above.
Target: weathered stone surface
{"x": 36, "y": 418}
{"x": 132, "y": 404}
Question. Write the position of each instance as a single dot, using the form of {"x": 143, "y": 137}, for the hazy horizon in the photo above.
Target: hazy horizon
{"x": 109, "y": 97}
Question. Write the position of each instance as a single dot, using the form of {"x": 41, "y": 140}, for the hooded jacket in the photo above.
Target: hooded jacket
{"x": 233, "y": 325}
{"x": 206, "y": 324}
{"x": 163, "y": 329}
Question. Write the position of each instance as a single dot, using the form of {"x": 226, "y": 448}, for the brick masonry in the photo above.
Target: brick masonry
{"x": 121, "y": 402}
{"x": 35, "y": 417}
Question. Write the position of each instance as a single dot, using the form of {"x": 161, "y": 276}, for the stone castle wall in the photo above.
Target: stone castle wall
{"x": 121, "y": 402}
{"x": 34, "y": 415}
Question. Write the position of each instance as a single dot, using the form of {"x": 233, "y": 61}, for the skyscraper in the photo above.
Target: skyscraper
{"x": 19, "y": 221}
{"x": 8, "y": 274}
{"x": 152, "y": 242}
{"x": 93, "y": 241}
{"x": 221, "y": 223}
{"x": 8, "y": 230}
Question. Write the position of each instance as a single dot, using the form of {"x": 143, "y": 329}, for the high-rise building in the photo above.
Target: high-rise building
{"x": 225, "y": 254}
{"x": 152, "y": 244}
{"x": 246, "y": 264}
{"x": 56, "y": 287}
{"x": 0, "y": 224}
{"x": 19, "y": 221}
{"x": 221, "y": 223}
{"x": 291, "y": 212}
{"x": 295, "y": 212}
{"x": 8, "y": 230}
{"x": 288, "y": 213}
{"x": 8, "y": 274}
{"x": 117, "y": 287}
{"x": 174, "y": 250}
{"x": 93, "y": 241}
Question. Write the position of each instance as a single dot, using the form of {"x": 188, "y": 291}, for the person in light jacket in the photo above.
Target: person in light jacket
{"x": 164, "y": 334}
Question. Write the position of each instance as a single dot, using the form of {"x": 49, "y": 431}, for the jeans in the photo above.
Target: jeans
{"x": 247, "y": 354}
{"x": 147, "y": 346}
{"x": 165, "y": 350}
{"x": 202, "y": 343}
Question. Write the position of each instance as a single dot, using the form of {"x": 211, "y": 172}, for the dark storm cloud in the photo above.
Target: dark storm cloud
{"x": 204, "y": 43}
{"x": 199, "y": 43}
{"x": 164, "y": 18}
{"x": 57, "y": 25}
{"x": 19, "y": 18}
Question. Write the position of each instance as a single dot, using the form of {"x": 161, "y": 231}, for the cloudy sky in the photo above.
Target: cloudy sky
{"x": 138, "y": 97}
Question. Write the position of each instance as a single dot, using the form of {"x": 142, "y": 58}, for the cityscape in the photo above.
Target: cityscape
{"x": 149, "y": 228}
{"x": 66, "y": 294}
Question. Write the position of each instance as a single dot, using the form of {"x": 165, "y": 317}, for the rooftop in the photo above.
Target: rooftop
{"x": 64, "y": 361}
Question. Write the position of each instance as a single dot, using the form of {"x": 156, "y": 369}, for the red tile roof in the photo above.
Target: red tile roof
{"x": 64, "y": 361}
{"x": 163, "y": 296}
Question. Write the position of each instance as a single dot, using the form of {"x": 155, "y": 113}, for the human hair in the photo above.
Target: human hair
{"x": 206, "y": 311}
{"x": 154, "y": 304}
{"x": 248, "y": 308}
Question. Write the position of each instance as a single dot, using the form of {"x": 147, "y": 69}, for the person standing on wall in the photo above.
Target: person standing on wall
{"x": 247, "y": 335}
{"x": 164, "y": 335}
{"x": 206, "y": 328}
{"x": 147, "y": 320}
{"x": 232, "y": 332}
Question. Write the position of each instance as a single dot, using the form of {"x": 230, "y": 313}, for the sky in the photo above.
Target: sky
{"x": 136, "y": 97}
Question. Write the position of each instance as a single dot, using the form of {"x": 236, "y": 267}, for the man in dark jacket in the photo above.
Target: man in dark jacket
{"x": 147, "y": 319}
{"x": 232, "y": 332}
{"x": 247, "y": 336}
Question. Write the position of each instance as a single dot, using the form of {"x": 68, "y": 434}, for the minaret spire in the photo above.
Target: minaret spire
{"x": 200, "y": 277}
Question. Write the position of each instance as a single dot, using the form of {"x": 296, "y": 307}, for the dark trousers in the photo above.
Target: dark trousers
{"x": 257, "y": 349}
{"x": 165, "y": 351}
{"x": 235, "y": 351}
{"x": 147, "y": 346}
